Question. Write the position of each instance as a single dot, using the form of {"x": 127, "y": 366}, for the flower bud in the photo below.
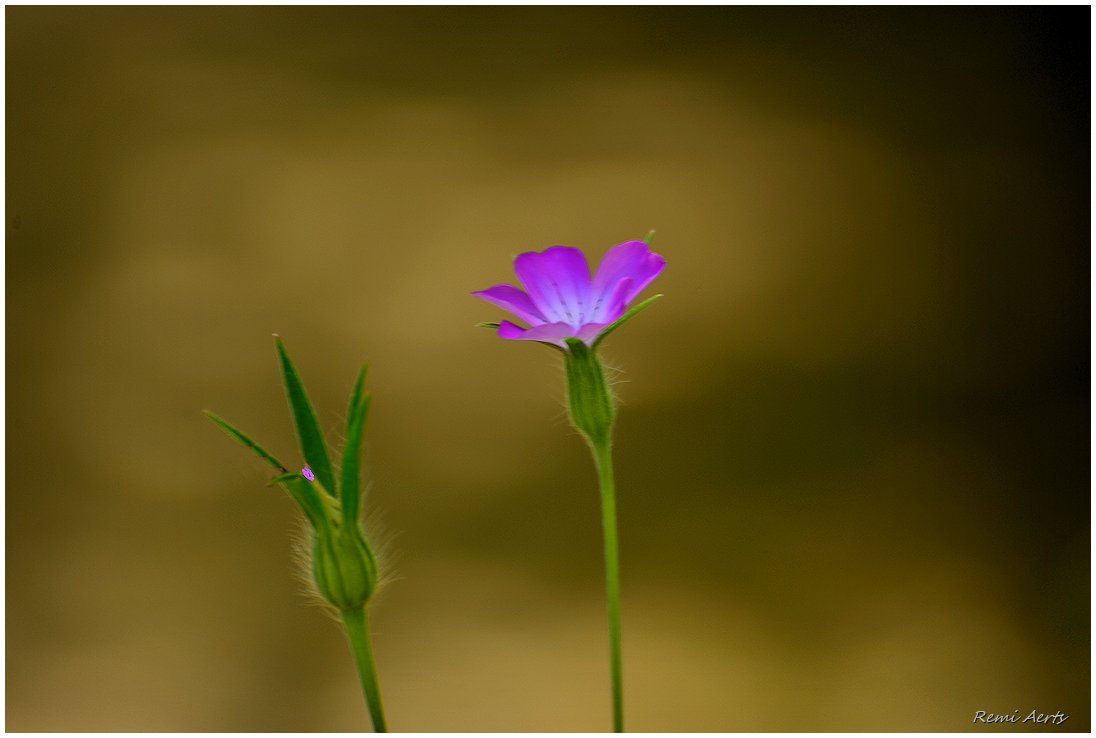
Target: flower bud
{"x": 588, "y": 395}
{"x": 343, "y": 566}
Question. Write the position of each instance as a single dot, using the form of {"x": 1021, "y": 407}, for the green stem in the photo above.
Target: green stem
{"x": 603, "y": 459}
{"x": 357, "y": 632}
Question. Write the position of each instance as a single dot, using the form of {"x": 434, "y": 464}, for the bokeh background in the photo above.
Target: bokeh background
{"x": 853, "y": 450}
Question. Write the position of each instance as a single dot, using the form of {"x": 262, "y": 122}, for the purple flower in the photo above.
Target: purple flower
{"x": 308, "y": 474}
{"x": 561, "y": 301}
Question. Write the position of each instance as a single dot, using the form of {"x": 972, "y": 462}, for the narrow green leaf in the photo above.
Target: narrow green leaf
{"x": 487, "y": 325}
{"x": 647, "y": 239}
{"x": 239, "y": 436}
{"x": 350, "y": 487}
{"x": 624, "y": 319}
{"x": 313, "y": 447}
{"x": 282, "y": 477}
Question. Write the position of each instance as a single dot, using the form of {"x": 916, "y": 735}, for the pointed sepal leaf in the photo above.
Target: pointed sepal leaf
{"x": 282, "y": 478}
{"x": 356, "y": 413}
{"x": 624, "y": 319}
{"x": 307, "y": 496}
{"x": 240, "y": 436}
{"x": 313, "y": 446}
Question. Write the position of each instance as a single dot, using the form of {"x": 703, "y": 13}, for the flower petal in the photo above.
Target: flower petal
{"x": 630, "y": 259}
{"x": 589, "y": 332}
{"x": 558, "y": 281}
{"x": 615, "y": 302}
{"x": 547, "y": 333}
{"x": 511, "y": 298}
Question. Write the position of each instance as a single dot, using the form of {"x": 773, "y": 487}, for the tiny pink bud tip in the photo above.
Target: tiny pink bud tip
{"x": 308, "y": 474}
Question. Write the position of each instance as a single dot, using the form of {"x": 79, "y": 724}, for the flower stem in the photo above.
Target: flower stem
{"x": 603, "y": 459}
{"x": 357, "y": 632}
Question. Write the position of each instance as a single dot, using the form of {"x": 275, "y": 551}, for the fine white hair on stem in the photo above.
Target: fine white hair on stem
{"x": 615, "y": 375}
{"x": 301, "y": 539}
{"x": 380, "y": 541}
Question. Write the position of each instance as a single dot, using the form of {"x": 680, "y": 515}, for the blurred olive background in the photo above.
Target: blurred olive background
{"x": 853, "y": 449}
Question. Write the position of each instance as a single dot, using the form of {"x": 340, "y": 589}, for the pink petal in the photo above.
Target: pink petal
{"x": 613, "y": 305}
{"x": 511, "y": 298}
{"x": 589, "y": 332}
{"x": 632, "y": 259}
{"x": 547, "y": 333}
{"x": 558, "y": 281}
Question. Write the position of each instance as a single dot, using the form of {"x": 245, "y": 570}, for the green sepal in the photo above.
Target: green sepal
{"x": 356, "y": 414}
{"x": 488, "y": 325}
{"x": 588, "y": 396}
{"x": 239, "y": 435}
{"x": 305, "y": 494}
{"x": 313, "y": 446}
{"x": 650, "y": 235}
{"x": 623, "y": 319}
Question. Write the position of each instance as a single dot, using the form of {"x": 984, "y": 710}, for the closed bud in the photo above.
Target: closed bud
{"x": 344, "y": 567}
